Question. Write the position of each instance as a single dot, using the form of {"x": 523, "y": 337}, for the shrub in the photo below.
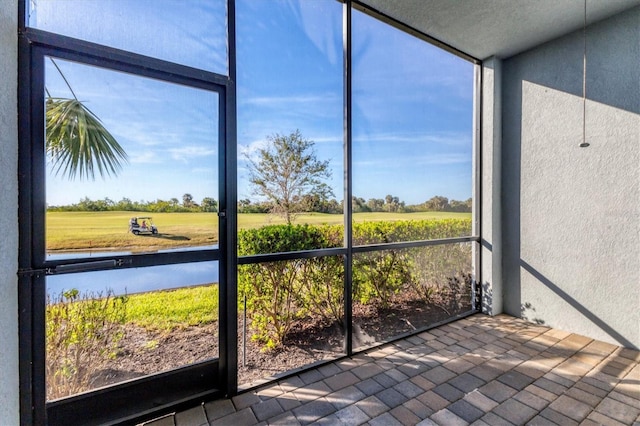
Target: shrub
{"x": 270, "y": 293}
{"x": 322, "y": 287}
{"x": 279, "y": 293}
{"x": 440, "y": 273}
{"x": 409, "y": 230}
{"x": 272, "y": 289}
{"x": 82, "y": 331}
{"x": 322, "y": 281}
{"x": 379, "y": 275}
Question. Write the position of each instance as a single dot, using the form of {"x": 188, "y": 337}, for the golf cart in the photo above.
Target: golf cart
{"x": 142, "y": 225}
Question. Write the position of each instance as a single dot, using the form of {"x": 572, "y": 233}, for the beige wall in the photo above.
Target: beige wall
{"x": 491, "y": 240}
{"x": 8, "y": 213}
{"x": 571, "y": 215}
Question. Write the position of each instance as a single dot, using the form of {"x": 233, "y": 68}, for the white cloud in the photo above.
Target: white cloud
{"x": 142, "y": 133}
{"x": 443, "y": 159}
{"x": 145, "y": 157}
{"x": 278, "y": 101}
{"x": 328, "y": 139}
{"x": 203, "y": 170}
{"x": 187, "y": 153}
{"x": 251, "y": 149}
{"x": 393, "y": 162}
{"x": 440, "y": 138}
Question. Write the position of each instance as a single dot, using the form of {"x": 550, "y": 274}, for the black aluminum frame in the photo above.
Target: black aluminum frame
{"x": 126, "y": 401}
{"x": 348, "y": 250}
{"x": 208, "y": 379}
{"x": 381, "y": 16}
{"x": 348, "y": 177}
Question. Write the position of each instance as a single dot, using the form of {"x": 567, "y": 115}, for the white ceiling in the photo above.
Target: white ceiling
{"x": 502, "y": 28}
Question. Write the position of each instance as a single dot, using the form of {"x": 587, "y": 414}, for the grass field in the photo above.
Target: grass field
{"x": 109, "y": 230}
{"x": 66, "y": 231}
{"x": 170, "y": 309}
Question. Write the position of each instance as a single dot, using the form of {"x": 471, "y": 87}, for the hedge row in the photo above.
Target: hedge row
{"x": 278, "y": 293}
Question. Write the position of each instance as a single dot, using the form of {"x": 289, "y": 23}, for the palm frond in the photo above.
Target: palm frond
{"x": 78, "y": 143}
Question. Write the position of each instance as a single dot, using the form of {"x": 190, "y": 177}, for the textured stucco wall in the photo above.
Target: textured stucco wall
{"x": 491, "y": 241}
{"x": 8, "y": 214}
{"x": 571, "y": 216}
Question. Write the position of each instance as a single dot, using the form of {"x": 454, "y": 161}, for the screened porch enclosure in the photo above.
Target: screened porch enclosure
{"x": 229, "y": 204}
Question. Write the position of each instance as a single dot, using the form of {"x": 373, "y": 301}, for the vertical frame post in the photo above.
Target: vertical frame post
{"x": 31, "y": 284}
{"x": 348, "y": 208}
{"x": 476, "y": 287}
{"x": 229, "y": 225}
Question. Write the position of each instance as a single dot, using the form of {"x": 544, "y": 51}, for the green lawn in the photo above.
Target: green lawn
{"x": 167, "y": 310}
{"x": 109, "y": 230}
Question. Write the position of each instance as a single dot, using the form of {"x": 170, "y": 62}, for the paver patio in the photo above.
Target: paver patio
{"x": 480, "y": 370}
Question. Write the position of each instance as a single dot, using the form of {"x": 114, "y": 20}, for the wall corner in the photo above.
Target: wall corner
{"x": 9, "y": 358}
{"x": 491, "y": 221}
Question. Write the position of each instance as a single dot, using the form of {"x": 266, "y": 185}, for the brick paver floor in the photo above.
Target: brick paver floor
{"x": 480, "y": 370}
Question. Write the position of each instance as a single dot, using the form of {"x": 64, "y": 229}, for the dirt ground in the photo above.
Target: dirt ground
{"x": 142, "y": 352}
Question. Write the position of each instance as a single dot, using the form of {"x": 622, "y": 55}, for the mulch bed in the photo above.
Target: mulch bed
{"x": 142, "y": 352}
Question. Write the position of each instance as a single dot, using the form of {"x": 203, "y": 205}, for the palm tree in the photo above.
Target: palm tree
{"x": 77, "y": 141}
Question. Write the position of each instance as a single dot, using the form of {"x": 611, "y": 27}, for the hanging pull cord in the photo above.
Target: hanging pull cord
{"x": 584, "y": 143}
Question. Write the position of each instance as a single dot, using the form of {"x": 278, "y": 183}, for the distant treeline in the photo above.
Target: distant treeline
{"x": 394, "y": 204}
{"x": 360, "y": 205}
{"x": 208, "y": 204}
{"x": 311, "y": 203}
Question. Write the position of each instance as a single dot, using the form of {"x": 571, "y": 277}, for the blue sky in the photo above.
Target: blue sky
{"x": 168, "y": 131}
{"x": 412, "y": 110}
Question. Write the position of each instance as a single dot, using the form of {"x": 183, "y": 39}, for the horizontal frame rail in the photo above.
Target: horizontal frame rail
{"x": 381, "y": 16}
{"x": 413, "y": 244}
{"x": 66, "y": 266}
{"x": 62, "y": 46}
{"x": 189, "y": 384}
{"x": 342, "y": 251}
{"x": 158, "y": 259}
